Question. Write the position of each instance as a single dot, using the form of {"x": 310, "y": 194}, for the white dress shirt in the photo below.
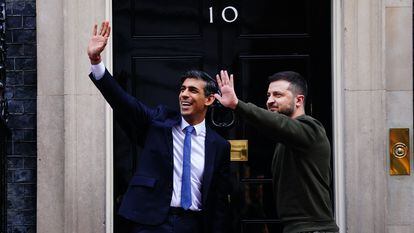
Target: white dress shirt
{"x": 198, "y": 137}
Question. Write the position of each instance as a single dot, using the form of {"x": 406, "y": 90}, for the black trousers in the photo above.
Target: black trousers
{"x": 178, "y": 221}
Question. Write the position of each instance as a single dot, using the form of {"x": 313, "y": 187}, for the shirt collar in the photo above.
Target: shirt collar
{"x": 199, "y": 128}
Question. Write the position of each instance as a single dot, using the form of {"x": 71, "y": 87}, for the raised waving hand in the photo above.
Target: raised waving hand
{"x": 98, "y": 42}
{"x": 228, "y": 96}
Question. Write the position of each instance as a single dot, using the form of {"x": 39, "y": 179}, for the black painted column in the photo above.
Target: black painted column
{"x": 4, "y": 134}
{"x": 4, "y": 131}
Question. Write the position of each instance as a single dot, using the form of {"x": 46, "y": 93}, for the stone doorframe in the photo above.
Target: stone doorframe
{"x": 338, "y": 113}
{"x": 75, "y": 124}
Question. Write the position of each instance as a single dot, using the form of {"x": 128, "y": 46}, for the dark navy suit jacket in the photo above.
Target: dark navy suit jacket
{"x": 148, "y": 198}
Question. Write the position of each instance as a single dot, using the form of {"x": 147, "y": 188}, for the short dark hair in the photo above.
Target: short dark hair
{"x": 211, "y": 84}
{"x": 298, "y": 85}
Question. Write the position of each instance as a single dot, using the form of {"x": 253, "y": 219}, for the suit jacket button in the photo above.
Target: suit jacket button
{"x": 170, "y": 185}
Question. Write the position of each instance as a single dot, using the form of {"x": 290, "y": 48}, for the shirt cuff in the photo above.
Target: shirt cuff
{"x": 98, "y": 70}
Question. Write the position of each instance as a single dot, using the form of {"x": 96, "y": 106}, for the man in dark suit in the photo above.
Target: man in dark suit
{"x": 181, "y": 182}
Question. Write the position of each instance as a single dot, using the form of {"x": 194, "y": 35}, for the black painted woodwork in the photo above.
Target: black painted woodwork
{"x": 4, "y": 130}
{"x": 155, "y": 41}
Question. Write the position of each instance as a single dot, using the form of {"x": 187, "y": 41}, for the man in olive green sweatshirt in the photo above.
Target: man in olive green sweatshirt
{"x": 301, "y": 163}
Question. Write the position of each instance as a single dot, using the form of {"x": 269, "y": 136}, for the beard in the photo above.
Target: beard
{"x": 287, "y": 110}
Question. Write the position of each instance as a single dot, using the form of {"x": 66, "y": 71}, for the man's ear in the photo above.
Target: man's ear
{"x": 210, "y": 100}
{"x": 300, "y": 100}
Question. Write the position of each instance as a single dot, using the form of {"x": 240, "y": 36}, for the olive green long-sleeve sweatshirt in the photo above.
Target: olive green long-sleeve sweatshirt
{"x": 301, "y": 168}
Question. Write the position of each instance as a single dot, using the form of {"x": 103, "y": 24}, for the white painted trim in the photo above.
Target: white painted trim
{"x": 109, "y": 207}
{"x": 338, "y": 113}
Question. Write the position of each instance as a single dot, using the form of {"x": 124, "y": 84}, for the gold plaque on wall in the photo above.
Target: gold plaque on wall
{"x": 399, "y": 151}
{"x": 239, "y": 150}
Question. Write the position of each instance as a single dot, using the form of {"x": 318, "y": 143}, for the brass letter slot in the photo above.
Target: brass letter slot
{"x": 239, "y": 150}
{"x": 399, "y": 151}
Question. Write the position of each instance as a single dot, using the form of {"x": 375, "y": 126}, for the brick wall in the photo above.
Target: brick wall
{"x": 21, "y": 93}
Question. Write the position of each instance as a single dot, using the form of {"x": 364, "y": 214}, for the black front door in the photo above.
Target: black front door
{"x": 155, "y": 41}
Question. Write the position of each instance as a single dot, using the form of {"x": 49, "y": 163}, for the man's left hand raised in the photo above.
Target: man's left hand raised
{"x": 228, "y": 96}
